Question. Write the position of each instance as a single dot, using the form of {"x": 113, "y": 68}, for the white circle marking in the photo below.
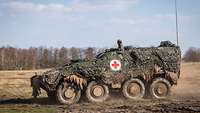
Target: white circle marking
{"x": 115, "y": 65}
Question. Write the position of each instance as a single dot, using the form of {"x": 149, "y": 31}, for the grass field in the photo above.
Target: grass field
{"x": 15, "y": 86}
{"x": 189, "y": 82}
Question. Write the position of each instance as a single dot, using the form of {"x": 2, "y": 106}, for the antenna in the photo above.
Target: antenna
{"x": 177, "y": 36}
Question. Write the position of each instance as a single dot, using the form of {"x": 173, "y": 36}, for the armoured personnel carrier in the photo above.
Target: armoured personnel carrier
{"x": 136, "y": 71}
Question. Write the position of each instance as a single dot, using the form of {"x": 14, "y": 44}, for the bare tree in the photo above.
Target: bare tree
{"x": 74, "y": 53}
{"x": 45, "y": 58}
{"x": 63, "y": 56}
{"x": 90, "y": 53}
{"x": 36, "y": 58}
{"x": 55, "y": 57}
{"x": 32, "y": 54}
{"x": 192, "y": 55}
{"x": 51, "y": 57}
{"x": 2, "y": 57}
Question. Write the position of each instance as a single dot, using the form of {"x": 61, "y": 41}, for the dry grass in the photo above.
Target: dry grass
{"x": 16, "y": 84}
{"x": 189, "y": 82}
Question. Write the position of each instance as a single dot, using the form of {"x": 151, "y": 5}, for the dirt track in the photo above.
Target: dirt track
{"x": 185, "y": 98}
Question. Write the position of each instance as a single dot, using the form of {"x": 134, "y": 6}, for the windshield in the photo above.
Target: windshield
{"x": 100, "y": 55}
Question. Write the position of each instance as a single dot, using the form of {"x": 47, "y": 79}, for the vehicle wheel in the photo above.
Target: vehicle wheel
{"x": 133, "y": 89}
{"x": 67, "y": 94}
{"x": 160, "y": 88}
{"x": 97, "y": 92}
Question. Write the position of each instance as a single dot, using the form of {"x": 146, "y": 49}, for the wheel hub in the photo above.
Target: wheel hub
{"x": 98, "y": 91}
{"x": 69, "y": 93}
{"x": 161, "y": 89}
{"x": 134, "y": 89}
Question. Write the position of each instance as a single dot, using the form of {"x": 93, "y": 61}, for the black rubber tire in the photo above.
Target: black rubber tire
{"x": 91, "y": 97}
{"x": 60, "y": 94}
{"x": 126, "y": 92}
{"x": 51, "y": 96}
{"x": 161, "y": 81}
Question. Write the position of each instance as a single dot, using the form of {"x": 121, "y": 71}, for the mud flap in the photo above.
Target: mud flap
{"x": 76, "y": 79}
{"x": 173, "y": 77}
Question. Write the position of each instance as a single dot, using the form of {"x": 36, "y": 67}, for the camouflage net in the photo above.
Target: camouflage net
{"x": 136, "y": 62}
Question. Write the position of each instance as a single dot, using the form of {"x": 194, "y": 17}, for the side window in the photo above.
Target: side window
{"x": 100, "y": 56}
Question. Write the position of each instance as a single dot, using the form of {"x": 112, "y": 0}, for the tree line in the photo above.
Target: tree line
{"x": 12, "y": 58}
{"x": 192, "y": 55}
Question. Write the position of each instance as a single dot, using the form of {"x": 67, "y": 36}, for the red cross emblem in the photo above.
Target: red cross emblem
{"x": 115, "y": 65}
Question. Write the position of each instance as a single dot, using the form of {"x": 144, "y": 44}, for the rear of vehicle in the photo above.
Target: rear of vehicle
{"x": 156, "y": 70}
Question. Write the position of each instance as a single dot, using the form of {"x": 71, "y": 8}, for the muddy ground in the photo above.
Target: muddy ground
{"x": 185, "y": 97}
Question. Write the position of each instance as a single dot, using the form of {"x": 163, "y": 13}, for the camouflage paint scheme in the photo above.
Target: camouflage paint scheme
{"x": 144, "y": 63}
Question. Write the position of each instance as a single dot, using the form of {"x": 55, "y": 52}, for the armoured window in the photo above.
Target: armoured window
{"x": 100, "y": 55}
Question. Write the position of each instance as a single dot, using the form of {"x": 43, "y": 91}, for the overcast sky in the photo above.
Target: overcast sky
{"x": 97, "y": 23}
